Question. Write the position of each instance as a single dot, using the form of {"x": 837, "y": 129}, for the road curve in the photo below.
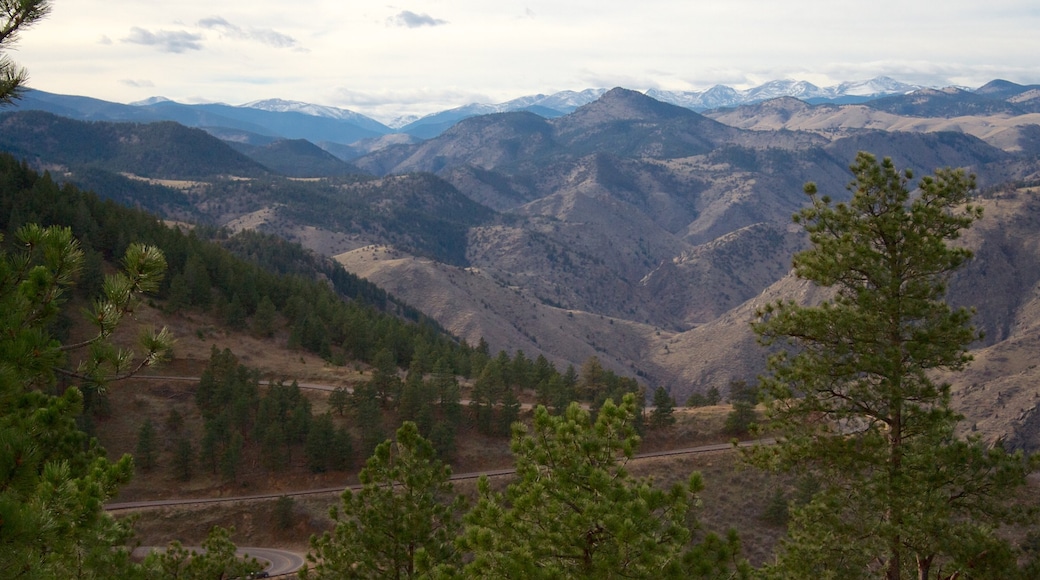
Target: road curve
{"x": 276, "y": 562}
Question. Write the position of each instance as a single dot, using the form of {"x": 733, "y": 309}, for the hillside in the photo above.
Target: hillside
{"x": 167, "y": 150}
{"x": 633, "y": 230}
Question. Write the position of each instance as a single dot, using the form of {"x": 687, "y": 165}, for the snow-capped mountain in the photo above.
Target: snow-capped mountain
{"x": 554, "y": 105}
{"x": 723, "y": 96}
{"x": 876, "y": 87}
{"x": 563, "y": 102}
{"x": 284, "y": 106}
{"x": 150, "y": 101}
{"x": 320, "y": 123}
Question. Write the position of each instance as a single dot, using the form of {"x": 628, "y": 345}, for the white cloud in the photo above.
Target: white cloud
{"x": 409, "y": 19}
{"x": 267, "y": 36}
{"x": 138, "y": 83}
{"x": 176, "y": 41}
{"x": 497, "y": 51}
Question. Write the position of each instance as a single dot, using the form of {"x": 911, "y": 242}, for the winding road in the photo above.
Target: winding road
{"x": 276, "y": 562}
{"x": 284, "y": 562}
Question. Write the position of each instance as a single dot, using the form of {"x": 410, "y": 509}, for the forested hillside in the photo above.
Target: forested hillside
{"x": 272, "y": 282}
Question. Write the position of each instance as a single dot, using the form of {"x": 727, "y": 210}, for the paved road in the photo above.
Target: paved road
{"x": 276, "y": 562}
{"x": 137, "y": 505}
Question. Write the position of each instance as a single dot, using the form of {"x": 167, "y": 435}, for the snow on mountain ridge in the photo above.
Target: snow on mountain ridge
{"x": 567, "y": 101}
{"x": 723, "y": 96}
{"x": 284, "y": 106}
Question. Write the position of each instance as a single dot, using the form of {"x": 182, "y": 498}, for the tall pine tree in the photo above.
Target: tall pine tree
{"x": 851, "y": 388}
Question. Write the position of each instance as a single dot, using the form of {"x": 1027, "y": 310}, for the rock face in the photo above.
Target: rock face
{"x": 641, "y": 232}
{"x": 675, "y": 228}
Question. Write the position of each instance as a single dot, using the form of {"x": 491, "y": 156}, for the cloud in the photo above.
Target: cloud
{"x": 139, "y": 83}
{"x": 104, "y": 40}
{"x": 266, "y": 36}
{"x": 166, "y": 40}
{"x": 410, "y": 19}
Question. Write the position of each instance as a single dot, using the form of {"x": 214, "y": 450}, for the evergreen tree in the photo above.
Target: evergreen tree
{"x": 339, "y": 400}
{"x": 320, "y": 444}
{"x": 217, "y": 559}
{"x": 401, "y": 524}
{"x": 16, "y": 16}
{"x": 342, "y": 452}
{"x": 145, "y": 452}
{"x": 855, "y": 398}
{"x": 183, "y": 460}
{"x": 575, "y": 512}
{"x": 54, "y": 479}
{"x": 739, "y": 421}
{"x": 264, "y": 318}
{"x": 713, "y": 396}
{"x": 368, "y": 416}
{"x": 384, "y": 378}
{"x": 663, "y": 414}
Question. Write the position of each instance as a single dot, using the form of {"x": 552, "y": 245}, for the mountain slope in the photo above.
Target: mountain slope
{"x": 161, "y": 150}
{"x": 297, "y": 158}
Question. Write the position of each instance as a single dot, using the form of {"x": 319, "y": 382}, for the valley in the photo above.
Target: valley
{"x": 630, "y": 232}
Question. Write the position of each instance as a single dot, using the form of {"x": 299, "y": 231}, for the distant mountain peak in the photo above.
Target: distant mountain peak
{"x": 621, "y": 103}
{"x": 287, "y": 106}
{"x": 150, "y": 101}
{"x": 723, "y": 96}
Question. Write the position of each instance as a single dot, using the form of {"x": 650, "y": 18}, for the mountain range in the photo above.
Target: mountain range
{"x": 630, "y": 229}
{"x": 262, "y": 120}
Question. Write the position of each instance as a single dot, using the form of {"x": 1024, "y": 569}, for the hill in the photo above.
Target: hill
{"x": 166, "y": 150}
{"x": 633, "y": 230}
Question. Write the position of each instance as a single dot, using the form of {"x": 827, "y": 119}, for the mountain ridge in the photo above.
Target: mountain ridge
{"x": 633, "y": 230}
{"x": 349, "y": 126}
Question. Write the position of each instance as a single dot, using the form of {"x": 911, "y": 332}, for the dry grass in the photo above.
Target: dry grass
{"x": 733, "y": 497}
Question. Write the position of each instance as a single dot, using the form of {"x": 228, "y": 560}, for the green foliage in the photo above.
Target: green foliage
{"x": 663, "y": 414}
{"x": 575, "y": 512}
{"x": 217, "y": 559}
{"x": 854, "y": 397}
{"x": 54, "y": 479}
{"x": 339, "y": 400}
{"x": 352, "y": 318}
{"x": 696, "y": 400}
{"x": 16, "y": 16}
{"x": 740, "y": 420}
{"x": 145, "y": 453}
{"x": 741, "y": 391}
{"x": 162, "y": 149}
{"x": 713, "y": 396}
{"x": 777, "y": 511}
{"x": 596, "y": 384}
{"x": 401, "y": 524}
{"x": 183, "y": 460}
{"x": 327, "y": 447}
{"x": 283, "y": 512}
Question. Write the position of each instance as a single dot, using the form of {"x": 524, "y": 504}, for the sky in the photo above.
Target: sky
{"x": 420, "y": 56}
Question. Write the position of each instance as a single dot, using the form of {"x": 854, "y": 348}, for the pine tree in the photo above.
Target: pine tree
{"x": 320, "y": 444}
{"x": 401, "y": 524}
{"x": 16, "y": 16}
{"x": 217, "y": 559}
{"x": 145, "y": 452}
{"x": 851, "y": 389}
{"x": 575, "y": 512}
{"x": 53, "y": 477}
{"x": 663, "y": 414}
{"x": 184, "y": 460}
{"x": 339, "y": 400}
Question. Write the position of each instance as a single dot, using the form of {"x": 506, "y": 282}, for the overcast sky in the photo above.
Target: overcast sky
{"x": 420, "y": 56}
